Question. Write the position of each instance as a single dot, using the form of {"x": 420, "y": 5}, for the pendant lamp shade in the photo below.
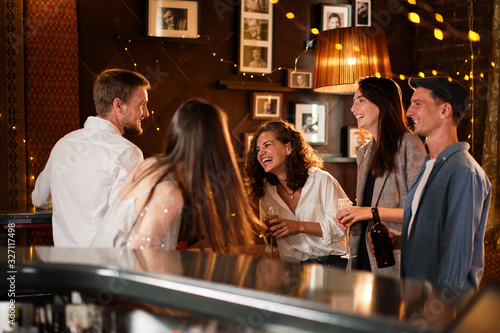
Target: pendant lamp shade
{"x": 345, "y": 55}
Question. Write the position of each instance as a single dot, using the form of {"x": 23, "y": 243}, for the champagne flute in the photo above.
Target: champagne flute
{"x": 345, "y": 203}
{"x": 271, "y": 214}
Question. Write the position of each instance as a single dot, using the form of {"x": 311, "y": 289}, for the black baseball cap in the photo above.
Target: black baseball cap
{"x": 447, "y": 89}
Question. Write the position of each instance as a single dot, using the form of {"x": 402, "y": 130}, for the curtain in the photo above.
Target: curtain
{"x": 491, "y": 149}
{"x": 12, "y": 113}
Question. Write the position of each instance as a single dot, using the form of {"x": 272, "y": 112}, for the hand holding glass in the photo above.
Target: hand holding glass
{"x": 345, "y": 203}
{"x": 271, "y": 214}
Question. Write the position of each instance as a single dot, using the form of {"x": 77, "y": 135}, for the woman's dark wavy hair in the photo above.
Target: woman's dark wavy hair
{"x": 302, "y": 158}
{"x": 392, "y": 121}
{"x": 200, "y": 156}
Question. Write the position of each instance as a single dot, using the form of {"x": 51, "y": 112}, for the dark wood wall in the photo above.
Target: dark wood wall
{"x": 179, "y": 71}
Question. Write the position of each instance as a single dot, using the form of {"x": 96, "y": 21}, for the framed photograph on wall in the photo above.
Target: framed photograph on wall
{"x": 267, "y": 105}
{"x": 356, "y": 137}
{"x": 362, "y": 13}
{"x": 173, "y": 18}
{"x": 301, "y": 79}
{"x": 311, "y": 119}
{"x": 256, "y": 36}
{"x": 353, "y": 142}
{"x": 246, "y": 143}
{"x": 335, "y": 16}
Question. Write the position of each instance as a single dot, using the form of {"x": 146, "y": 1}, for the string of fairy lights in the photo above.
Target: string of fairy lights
{"x": 411, "y": 15}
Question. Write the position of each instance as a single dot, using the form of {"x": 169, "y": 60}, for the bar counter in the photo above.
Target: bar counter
{"x": 239, "y": 293}
{"x": 25, "y": 216}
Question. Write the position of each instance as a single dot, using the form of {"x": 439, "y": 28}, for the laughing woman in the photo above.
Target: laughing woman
{"x": 387, "y": 167}
{"x": 282, "y": 170}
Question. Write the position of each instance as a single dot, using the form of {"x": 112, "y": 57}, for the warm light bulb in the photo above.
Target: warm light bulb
{"x": 434, "y": 72}
{"x": 438, "y": 34}
{"x": 213, "y": 54}
{"x": 439, "y": 17}
{"x": 351, "y": 61}
{"x": 413, "y": 17}
{"x": 290, "y": 15}
{"x": 338, "y": 46}
{"x": 274, "y": 1}
{"x": 363, "y": 57}
{"x": 466, "y": 77}
{"x": 412, "y": 2}
{"x": 158, "y": 129}
{"x": 481, "y": 75}
{"x": 421, "y": 74}
{"x": 356, "y": 48}
{"x": 474, "y": 36}
{"x": 378, "y": 75}
{"x": 402, "y": 77}
{"x": 314, "y": 31}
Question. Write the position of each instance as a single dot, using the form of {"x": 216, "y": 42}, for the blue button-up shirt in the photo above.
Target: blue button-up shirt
{"x": 445, "y": 244}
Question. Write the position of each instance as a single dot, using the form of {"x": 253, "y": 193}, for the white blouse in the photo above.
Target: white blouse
{"x": 317, "y": 203}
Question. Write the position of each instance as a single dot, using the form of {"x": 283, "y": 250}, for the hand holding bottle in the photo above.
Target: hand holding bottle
{"x": 382, "y": 246}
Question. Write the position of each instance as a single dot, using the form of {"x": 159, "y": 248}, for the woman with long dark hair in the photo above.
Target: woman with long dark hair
{"x": 387, "y": 167}
{"x": 282, "y": 170}
{"x": 193, "y": 191}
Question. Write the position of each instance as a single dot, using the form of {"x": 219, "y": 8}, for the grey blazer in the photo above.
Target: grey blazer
{"x": 389, "y": 191}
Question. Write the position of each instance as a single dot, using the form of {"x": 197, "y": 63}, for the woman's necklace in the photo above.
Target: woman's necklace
{"x": 290, "y": 194}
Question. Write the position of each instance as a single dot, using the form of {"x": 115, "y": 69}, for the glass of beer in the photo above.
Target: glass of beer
{"x": 271, "y": 214}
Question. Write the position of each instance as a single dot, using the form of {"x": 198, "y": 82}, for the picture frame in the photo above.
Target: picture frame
{"x": 301, "y": 79}
{"x": 362, "y": 13}
{"x": 356, "y": 137}
{"x": 256, "y": 36}
{"x": 247, "y": 139}
{"x": 267, "y": 105}
{"x": 173, "y": 18}
{"x": 353, "y": 142}
{"x": 311, "y": 119}
{"x": 335, "y": 16}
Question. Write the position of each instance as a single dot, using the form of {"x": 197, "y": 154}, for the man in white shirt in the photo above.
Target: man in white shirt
{"x": 87, "y": 167}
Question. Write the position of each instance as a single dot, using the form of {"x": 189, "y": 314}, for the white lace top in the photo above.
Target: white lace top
{"x": 128, "y": 224}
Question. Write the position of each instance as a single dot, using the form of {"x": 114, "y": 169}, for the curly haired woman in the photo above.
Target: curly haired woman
{"x": 283, "y": 170}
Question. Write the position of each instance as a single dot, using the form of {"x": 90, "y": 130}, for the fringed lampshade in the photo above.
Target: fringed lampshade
{"x": 344, "y": 55}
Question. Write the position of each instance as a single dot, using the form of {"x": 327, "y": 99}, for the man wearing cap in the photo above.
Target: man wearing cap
{"x": 446, "y": 209}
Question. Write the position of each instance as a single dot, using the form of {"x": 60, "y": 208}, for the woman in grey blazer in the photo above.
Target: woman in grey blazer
{"x": 387, "y": 167}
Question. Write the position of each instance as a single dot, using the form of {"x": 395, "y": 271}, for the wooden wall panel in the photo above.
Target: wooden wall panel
{"x": 180, "y": 71}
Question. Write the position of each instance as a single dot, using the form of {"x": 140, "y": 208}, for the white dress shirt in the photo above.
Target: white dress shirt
{"x": 85, "y": 170}
{"x": 317, "y": 203}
